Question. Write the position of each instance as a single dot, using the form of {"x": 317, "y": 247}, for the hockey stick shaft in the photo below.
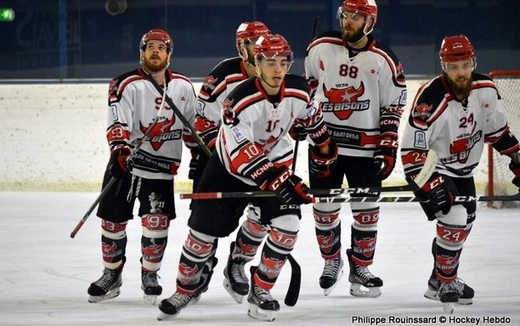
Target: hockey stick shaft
{"x": 179, "y": 115}
{"x": 403, "y": 199}
{"x": 105, "y": 190}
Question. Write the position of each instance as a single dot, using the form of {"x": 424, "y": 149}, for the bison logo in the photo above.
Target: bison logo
{"x": 344, "y": 101}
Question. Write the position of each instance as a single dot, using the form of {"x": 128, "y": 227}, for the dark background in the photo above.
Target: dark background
{"x": 75, "y": 39}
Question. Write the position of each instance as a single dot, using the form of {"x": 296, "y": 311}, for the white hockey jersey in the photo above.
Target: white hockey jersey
{"x": 254, "y": 132}
{"x": 361, "y": 92}
{"x": 133, "y": 105}
{"x": 456, "y": 130}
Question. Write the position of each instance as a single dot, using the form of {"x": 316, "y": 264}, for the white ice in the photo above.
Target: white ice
{"x": 45, "y": 274}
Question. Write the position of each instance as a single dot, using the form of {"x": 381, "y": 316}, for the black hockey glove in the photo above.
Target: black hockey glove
{"x": 119, "y": 163}
{"x": 321, "y": 164}
{"x": 288, "y": 187}
{"x": 515, "y": 168}
{"x": 298, "y": 132}
{"x": 384, "y": 156}
{"x": 439, "y": 194}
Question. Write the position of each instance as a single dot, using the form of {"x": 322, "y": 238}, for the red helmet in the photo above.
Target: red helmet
{"x": 269, "y": 46}
{"x": 249, "y": 32}
{"x": 157, "y": 35}
{"x": 366, "y": 8}
{"x": 456, "y": 48}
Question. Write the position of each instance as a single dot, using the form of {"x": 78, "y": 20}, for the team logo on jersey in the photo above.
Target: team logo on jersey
{"x": 227, "y": 114}
{"x": 161, "y": 132}
{"x": 209, "y": 82}
{"x": 422, "y": 111}
{"x": 344, "y": 101}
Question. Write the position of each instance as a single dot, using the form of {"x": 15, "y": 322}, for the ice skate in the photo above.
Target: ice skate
{"x": 205, "y": 278}
{"x": 235, "y": 281}
{"x": 169, "y": 308}
{"x": 449, "y": 296}
{"x": 466, "y": 293}
{"x": 262, "y": 306}
{"x": 150, "y": 286}
{"x": 360, "y": 276}
{"x": 332, "y": 273}
{"x": 106, "y": 287}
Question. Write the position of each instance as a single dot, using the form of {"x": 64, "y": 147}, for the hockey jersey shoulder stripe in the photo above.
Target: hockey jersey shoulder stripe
{"x": 393, "y": 63}
{"x": 332, "y": 37}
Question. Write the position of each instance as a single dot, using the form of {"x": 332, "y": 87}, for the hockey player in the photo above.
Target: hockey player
{"x": 454, "y": 114}
{"x": 136, "y": 108}
{"x": 360, "y": 86}
{"x": 253, "y": 150}
{"x": 217, "y": 85}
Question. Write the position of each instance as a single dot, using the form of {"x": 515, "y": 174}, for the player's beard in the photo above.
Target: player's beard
{"x": 461, "y": 86}
{"x": 149, "y": 66}
{"x": 350, "y": 36}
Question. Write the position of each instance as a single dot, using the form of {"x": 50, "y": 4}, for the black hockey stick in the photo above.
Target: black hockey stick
{"x": 293, "y": 292}
{"x": 179, "y": 115}
{"x": 136, "y": 145}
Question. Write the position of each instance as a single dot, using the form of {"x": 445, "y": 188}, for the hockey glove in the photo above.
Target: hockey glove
{"x": 298, "y": 132}
{"x": 439, "y": 195}
{"x": 288, "y": 187}
{"x": 321, "y": 164}
{"x": 515, "y": 168}
{"x": 384, "y": 156}
{"x": 119, "y": 162}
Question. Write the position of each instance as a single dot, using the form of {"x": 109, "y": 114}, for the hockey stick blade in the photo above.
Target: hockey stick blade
{"x": 293, "y": 292}
{"x": 108, "y": 186}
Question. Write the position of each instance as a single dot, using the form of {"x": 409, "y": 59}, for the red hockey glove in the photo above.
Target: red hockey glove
{"x": 515, "y": 168}
{"x": 321, "y": 164}
{"x": 439, "y": 194}
{"x": 384, "y": 156}
{"x": 288, "y": 187}
{"x": 119, "y": 164}
{"x": 298, "y": 132}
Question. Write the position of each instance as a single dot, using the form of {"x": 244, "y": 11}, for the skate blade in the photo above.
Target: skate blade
{"x": 100, "y": 298}
{"x": 357, "y": 290}
{"x": 448, "y": 307}
{"x": 163, "y": 316}
{"x": 432, "y": 295}
{"x": 259, "y": 314}
{"x": 328, "y": 291}
{"x": 150, "y": 299}
{"x": 237, "y": 297}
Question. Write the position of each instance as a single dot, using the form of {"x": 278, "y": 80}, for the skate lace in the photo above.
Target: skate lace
{"x": 262, "y": 295}
{"x": 364, "y": 273}
{"x": 238, "y": 273}
{"x": 107, "y": 279}
{"x": 451, "y": 287}
{"x": 458, "y": 285}
{"x": 331, "y": 268}
{"x": 150, "y": 279}
{"x": 179, "y": 300}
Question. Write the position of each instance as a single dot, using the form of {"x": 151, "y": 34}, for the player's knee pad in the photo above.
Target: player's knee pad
{"x": 198, "y": 246}
{"x": 254, "y": 229}
{"x": 365, "y": 219}
{"x": 113, "y": 230}
{"x": 282, "y": 240}
{"x": 155, "y": 225}
{"x": 326, "y": 219}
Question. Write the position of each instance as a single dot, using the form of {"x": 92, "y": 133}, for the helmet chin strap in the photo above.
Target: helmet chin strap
{"x": 262, "y": 79}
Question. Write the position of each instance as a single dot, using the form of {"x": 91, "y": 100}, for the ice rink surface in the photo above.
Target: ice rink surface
{"x": 45, "y": 274}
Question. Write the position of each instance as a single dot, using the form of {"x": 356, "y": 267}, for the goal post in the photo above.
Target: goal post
{"x": 499, "y": 175}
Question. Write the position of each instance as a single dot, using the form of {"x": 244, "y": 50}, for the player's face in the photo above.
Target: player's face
{"x": 459, "y": 75}
{"x": 352, "y": 25}
{"x": 155, "y": 56}
{"x": 273, "y": 70}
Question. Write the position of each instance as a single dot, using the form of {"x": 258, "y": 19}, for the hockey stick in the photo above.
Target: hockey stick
{"x": 137, "y": 144}
{"x": 404, "y": 199}
{"x": 179, "y": 115}
{"x": 293, "y": 292}
{"x": 421, "y": 178}
{"x": 109, "y": 185}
